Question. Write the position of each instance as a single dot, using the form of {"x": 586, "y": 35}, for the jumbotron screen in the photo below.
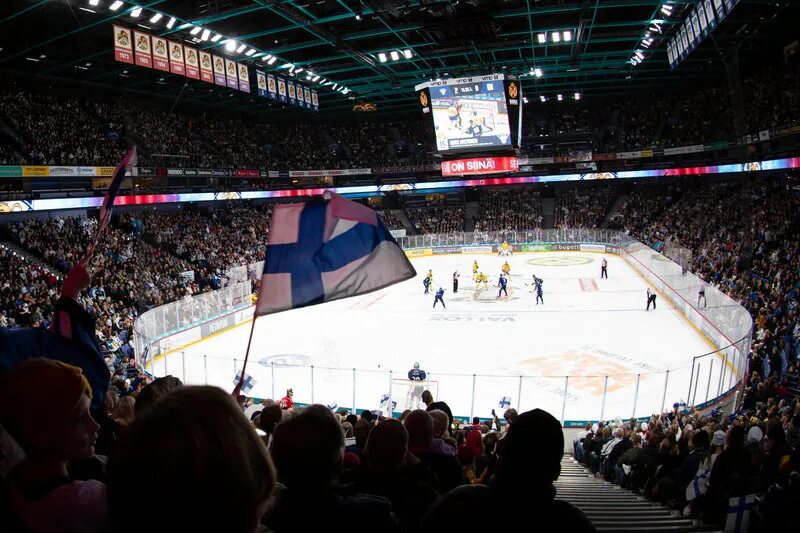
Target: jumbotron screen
{"x": 470, "y": 115}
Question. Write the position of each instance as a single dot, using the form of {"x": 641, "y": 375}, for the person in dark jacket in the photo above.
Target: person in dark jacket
{"x": 528, "y": 466}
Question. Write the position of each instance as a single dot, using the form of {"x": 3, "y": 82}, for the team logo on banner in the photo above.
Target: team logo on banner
{"x": 192, "y": 64}
{"x": 261, "y": 83}
{"x": 160, "y": 54}
{"x": 292, "y": 95}
{"x": 142, "y": 49}
{"x": 513, "y": 90}
{"x": 423, "y": 99}
{"x": 244, "y": 78}
{"x": 219, "y": 71}
{"x": 123, "y": 45}
{"x": 307, "y": 94}
{"x": 206, "y": 69}
{"x": 230, "y": 74}
{"x": 281, "y": 89}
{"x": 176, "y": 58}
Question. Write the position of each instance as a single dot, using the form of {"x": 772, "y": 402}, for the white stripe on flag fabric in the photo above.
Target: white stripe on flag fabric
{"x": 326, "y": 250}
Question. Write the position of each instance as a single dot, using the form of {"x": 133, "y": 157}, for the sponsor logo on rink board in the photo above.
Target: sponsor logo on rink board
{"x": 447, "y": 250}
{"x": 476, "y": 250}
{"x": 419, "y": 252}
{"x": 593, "y": 248}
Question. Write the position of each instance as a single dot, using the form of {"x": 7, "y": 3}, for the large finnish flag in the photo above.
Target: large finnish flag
{"x": 324, "y": 250}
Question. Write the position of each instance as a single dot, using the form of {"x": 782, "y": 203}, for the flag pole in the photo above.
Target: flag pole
{"x": 239, "y": 385}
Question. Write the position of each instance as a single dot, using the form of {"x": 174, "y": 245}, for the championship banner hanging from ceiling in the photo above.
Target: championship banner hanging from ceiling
{"x": 281, "y": 89}
{"x": 315, "y": 100}
{"x": 160, "y": 54}
{"x": 219, "y": 71}
{"x": 176, "y": 65}
{"x": 307, "y": 95}
{"x": 142, "y": 50}
{"x": 230, "y": 74}
{"x": 192, "y": 63}
{"x": 292, "y": 92}
{"x": 261, "y": 83}
{"x": 244, "y": 77}
{"x": 206, "y": 70}
{"x": 272, "y": 89}
{"x": 123, "y": 45}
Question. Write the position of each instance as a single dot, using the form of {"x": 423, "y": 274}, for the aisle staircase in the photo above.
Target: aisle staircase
{"x": 403, "y": 216}
{"x": 471, "y": 212}
{"x": 612, "y": 508}
{"x": 548, "y": 213}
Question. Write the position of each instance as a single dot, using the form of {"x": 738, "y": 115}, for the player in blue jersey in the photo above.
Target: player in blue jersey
{"x": 438, "y": 298}
{"x": 427, "y": 283}
{"x": 538, "y": 286}
{"x": 503, "y": 282}
{"x": 417, "y": 376}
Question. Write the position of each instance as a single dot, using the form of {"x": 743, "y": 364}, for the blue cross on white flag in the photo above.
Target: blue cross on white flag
{"x": 385, "y": 402}
{"x": 247, "y": 384}
{"x": 505, "y": 402}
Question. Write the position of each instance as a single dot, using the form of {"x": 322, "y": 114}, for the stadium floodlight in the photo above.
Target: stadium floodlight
{"x": 395, "y": 55}
{"x": 538, "y": 72}
{"x": 115, "y": 6}
{"x": 315, "y": 78}
{"x": 272, "y": 61}
{"x": 639, "y": 55}
{"x": 216, "y": 38}
{"x": 87, "y": 9}
{"x": 230, "y": 46}
{"x": 346, "y": 90}
{"x": 666, "y": 9}
{"x": 407, "y": 53}
{"x": 524, "y": 99}
{"x": 155, "y": 18}
{"x": 195, "y": 30}
{"x": 241, "y": 48}
{"x": 555, "y": 36}
{"x": 256, "y": 56}
{"x": 94, "y": 2}
{"x": 298, "y": 71}
{"x": 567, "y": 35}
{"x": 559, "y": 97}
{"x": 543, "y": 98}
{"x": 287, "y": 65}
{"x": 382, "y": 57}
{"x": 542, "y": 38}
{"x": 335, "y": 85}
{"x": 250, "y": 52}
{"x": 206, "y": 35}
{"x": 185, "y": 26}
{"x": 577, "y": 96}
{"x": 170, "y": 23}
{"x": 136, "y": 12}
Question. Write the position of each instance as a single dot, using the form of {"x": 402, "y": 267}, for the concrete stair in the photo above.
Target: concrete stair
{"x": 29, "y": 257}
{"x": 615, "y": 208}
{"x": 548, "y": 213}
{"x": 612, "y": 508}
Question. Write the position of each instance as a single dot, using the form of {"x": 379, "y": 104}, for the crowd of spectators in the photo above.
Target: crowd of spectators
{"x": 63, "y": 131}
{"x": 584, "y": 208}
{"x": 437, "y": 219}
{"x": 509, "y": 210}
{"x": 391, "y": 220}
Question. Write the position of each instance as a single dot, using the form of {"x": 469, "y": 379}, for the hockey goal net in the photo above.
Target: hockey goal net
{"x": 408, "y": 394}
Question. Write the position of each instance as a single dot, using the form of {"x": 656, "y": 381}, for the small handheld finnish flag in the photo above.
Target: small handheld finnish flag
{"x": 505, "y": 402}
{"x": 247, "y": 382}
{"x": 325, "y": 250}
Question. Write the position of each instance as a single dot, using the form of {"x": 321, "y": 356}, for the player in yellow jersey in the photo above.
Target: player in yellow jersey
{"x": 505, "y": 249}
{"x": 475, "y": 270}
{"x": 506, "y": 268}
{"x": 483, "y": 279}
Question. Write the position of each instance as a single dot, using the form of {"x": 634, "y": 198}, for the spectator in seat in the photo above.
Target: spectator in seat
{"x": 308, "y": 450}
{"x": 361, "y": 432}
{"x": 421, "y": 443}
{"x": 206, "y": 469}
{"x": 53, "y": 428}
{"x": 155, "y": 392}
{"x": 430, "y": 405}
{"x": 730, "y": 476}
{"x": 269, "y": 418}
{"x": 529, "y": 464}
{"x": 394, "y": 474}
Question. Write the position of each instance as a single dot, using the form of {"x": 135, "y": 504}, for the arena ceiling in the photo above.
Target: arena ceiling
{"x": 344, "y": 41}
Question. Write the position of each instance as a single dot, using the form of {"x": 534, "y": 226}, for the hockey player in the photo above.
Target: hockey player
{"x": 538, "y": 282}
{"x": 506, "y": 268}
{"x": 418, "y": 376}
{"x": 456, "y": 275}
{"x": 604, "y": 269}
{"x": 427, "y": 283}
{"x": 651, "y": 299}
{"x": 701, "y": 295}
{"x": 286, "y": 402}
{"x": 482, "y": 279}
{"x": 475, "y": 270}
{"x": 502, "y": 282}
{"x": 438, "y": 298}
{"x": 505, "y": 249}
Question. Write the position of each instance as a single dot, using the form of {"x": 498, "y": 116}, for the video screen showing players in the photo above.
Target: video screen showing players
{"x": 470, "y": 115}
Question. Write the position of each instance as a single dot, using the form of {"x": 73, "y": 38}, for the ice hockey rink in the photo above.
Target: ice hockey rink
{"x": 481, "y": 352}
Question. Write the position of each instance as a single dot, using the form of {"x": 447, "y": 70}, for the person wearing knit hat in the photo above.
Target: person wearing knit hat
{"x": 719, "y": 438}
{"x": 53, "y": 429}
